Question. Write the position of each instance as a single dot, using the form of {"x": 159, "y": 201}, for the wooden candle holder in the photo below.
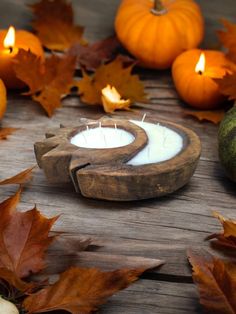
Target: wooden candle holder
{"x": 105, "y": 174}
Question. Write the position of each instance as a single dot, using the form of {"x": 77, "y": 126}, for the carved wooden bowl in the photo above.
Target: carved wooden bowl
{"x": 105, "y": 174}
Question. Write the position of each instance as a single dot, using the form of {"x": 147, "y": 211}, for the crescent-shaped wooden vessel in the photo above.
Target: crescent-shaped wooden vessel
{"x": 105, "y": 174}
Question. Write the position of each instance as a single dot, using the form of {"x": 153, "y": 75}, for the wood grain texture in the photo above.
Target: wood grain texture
{"x": 159, "y": 228}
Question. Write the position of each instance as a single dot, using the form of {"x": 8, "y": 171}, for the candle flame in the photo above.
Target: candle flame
{"x": 9, "y": 40}
{"x": 200, "y": 67}
{"x": 112, "y": 99}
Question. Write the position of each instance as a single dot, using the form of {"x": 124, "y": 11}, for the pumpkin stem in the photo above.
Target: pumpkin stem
{"x": 158, "y": 8}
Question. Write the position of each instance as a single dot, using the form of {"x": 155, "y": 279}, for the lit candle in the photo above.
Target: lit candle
{"x": 10, "y": 43}
{"x": 194, "y": 72}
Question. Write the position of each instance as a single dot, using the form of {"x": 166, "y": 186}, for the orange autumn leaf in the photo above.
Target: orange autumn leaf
{"x": 228, "y": 39}
{"x": 216, "y": 282}
{"x": 4, "y": 132}
{"x": 212, "y": 116}
{"x": 20, "y": 178}
{"x": 12, "y": 279}
{"x": 80, "y": 290}
{"x": 49, "y": 81}
{"x": 227, "y": 238}
{"x": 227, "y": 85}
{"x": 116, "y": 75}
{"x": 23, "y": 238}
{"x": 3, "y": 99}
{"x": 54, "y": 24}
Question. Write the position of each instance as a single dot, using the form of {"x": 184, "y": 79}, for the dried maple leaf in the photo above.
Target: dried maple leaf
{"x": 212, "y": 116}
{"x": 90, "y": 57}
{"x": 216, "y": 281}
{"x": 54, "y": 24}
{"x": 20, "y": 178}
{"x": 23, "y": 238}
{"x": 4, "y": 132}
{"x": 48, "y": 82}
{"x": 227, "y": 85}
{"x": 228, "y": 39}
{"x": 80, "y": 290}
{"x": 227, "y": 238}
{"x": 115, "y": 74}
{"x": 12, "y": 279}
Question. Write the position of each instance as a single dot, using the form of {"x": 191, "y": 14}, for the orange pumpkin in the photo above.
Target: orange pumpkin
{"x": 157, "y": 31}
{"x": 197, "y": 88}
{"x": 24, "y": 40}
{"x": 3, "y": 99}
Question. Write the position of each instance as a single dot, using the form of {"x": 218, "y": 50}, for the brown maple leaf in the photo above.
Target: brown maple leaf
{"x": 54, "y": 24}
{"x": 228, "y": 39}
{"x": 13, "y": 280}
{"x": 212, "y": 116}
{"x": 20, "y": 178}
{"x": 227, "y": 85}
{"x": 49, "y": 81}
{"x": 227, "y": 238}
{"x": 114, "y": 74}
{"x": 90, "y": 57}
{"x": 216, "y": 282}
{"x": 80, "y": 290}
{"x": 4, "y": 132}
{"x": 23, "y": 238}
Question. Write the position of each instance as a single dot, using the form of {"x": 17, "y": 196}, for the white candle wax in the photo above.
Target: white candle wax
{"x": 163, "y": 144}
{"x": 102, "y": 137}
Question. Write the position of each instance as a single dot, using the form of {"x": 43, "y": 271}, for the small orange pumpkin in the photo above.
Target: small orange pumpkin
{"x": 157, "y": 31}
{"x": 3, "y": 99}
{"x": 198, "y": 89}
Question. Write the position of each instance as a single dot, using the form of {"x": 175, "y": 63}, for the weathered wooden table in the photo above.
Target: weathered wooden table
{"x": 159, "y": 228}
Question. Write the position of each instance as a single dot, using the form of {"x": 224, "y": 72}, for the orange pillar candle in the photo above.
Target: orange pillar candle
{"x": 3, "y": 99}
{"x": 10, "y": 43}
{"x": 193, "y": 73}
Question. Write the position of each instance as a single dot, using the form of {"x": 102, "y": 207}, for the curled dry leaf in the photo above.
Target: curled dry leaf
{"x": 216, "y": 282}
{"x": 54, "y": 24}
{"x": 228, "y": 39}
{"x": 4, "y": 132}
{"x": 81, "y": 290}
{"x": 116, "y": 75}
{"x": 90, "y": 57}
{"x": 227, "y": 238}
{"x": 48, "y": 81}
{"x": 212, "y": 116}
{"x": 20, "y": 178}
{"x": 23, "y": 238}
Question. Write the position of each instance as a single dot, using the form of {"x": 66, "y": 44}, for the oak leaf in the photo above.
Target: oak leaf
{"x": 216, "y": 282}
{"x": 228, "y": 39}
{"x": 212, "y": 116}
{"x": 20, "y": 178}
{"x": 90, "y": 57}
{"x": 48, "y": 81}
{"x": 54, "y": 24}
{"x": 4, "y": 132}
{"x": 23, "y": 238}
{"x": 80, "y": 290}
{"x": 114, "y": 74}
{"x": 227, "y": 85}
{"x": 227, "y": 238}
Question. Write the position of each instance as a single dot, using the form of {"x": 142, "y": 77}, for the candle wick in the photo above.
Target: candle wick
{"x": 87, "y": 127}
{"x": 200, "y": 72}
{"x": 144, "y": 116}
{"x": 115, "y": 126}
{"x": 10, "y": 49}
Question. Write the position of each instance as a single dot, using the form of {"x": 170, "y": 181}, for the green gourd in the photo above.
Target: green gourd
{"x": 227, "y": 143}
